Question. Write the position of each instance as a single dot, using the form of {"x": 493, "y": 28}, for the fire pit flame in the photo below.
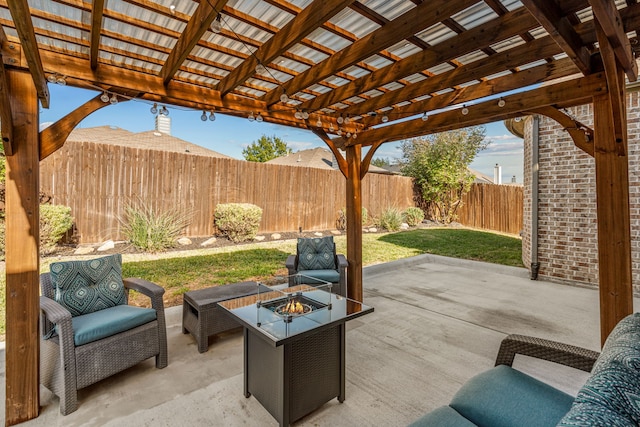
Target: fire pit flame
{"x": 293, "y": 307}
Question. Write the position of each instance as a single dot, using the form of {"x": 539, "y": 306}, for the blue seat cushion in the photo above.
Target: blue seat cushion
{"x": 322, "y": 276}
{"x": 83, "y": 287}
{"x": 110, "y": 321}
{"x": 505, "y": 397}
{"x": 444, "y": 416}
{"x": 611, "y": 395}
{"x": 317, "y": 253}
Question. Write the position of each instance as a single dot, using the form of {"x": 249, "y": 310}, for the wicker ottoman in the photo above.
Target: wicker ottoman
{"x": 201, "y": 315}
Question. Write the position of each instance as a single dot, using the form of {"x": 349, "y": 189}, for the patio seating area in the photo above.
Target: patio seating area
{"x": 437, "y": 322}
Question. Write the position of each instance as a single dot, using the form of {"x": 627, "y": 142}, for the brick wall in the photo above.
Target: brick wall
{"x": 567, "y": 226}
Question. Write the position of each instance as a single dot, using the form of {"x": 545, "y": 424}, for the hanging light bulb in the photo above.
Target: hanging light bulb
{"x": 172, "y": 8}
{"x": 164, "y": 111}
{"x": 104, "y": 97}
{"x": 251, "y": 117}
{"x": 284, "y": 98}
{"x": 51, "y": 78}
{"x": 212, "y": 116}
{"x": 259, "y": 119}
{"x": 305, "y": 115}
{"x": 355, "y": 135}
{"x": 203, "y": 117}
{"x": 319, "y": 123}
{"x": 464, "y": 110}
{"x": 425, "y": 117}
{"x": 298, "y": 115}
{"x": 385, "y": 118}
{"x": 154, "y": 109}
{"x": 502, "y": 103}
{"x": 216, "y": 25}
{"x": 518, "y": 119}
{"x": 114, "y": 99}
{"x": 339, "y": 132}
{"x": 61, "y": 81}
{"x": 331, "y": 127}
{"x": 348, "y": 134}
{"x": 347, "y": 120}
{"x": 340, "y": 120}
{"x": 261, "y": 69}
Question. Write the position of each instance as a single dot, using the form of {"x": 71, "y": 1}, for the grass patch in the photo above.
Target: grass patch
{"x": 229, "y": 265}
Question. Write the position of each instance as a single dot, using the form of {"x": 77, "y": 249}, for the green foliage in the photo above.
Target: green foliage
{"x": 413, "y": 216}
{"x": 151, "y": 230}
{"x": 55, "y": 220}
{"x": 238, "y": 221}
{"x": 390, "y": 219}
{"x": 439, "y": 166}
{"x": 266, "y": 148}
{"x": 381, "y": 162}
{"x": 365, "y": 216}
{"x": 3, "y": 164}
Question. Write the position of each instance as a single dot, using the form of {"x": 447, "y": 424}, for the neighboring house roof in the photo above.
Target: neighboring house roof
{"x": 150, "y": 139}
{"x": 318, "y": 157}
{"x": 480, "y": 177}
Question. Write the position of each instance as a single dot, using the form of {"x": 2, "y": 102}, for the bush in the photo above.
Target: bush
{"x": 413, "y": 216}
{"x": 238, "y": 221}
{"x": 55, "y": 220}
{"x": 390, "y": 219}
{"x": 150, "y": 230}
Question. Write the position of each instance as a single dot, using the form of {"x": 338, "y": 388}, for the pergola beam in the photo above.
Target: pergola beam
{"x": 24, "y": 26}
{"x": 96, "y": 26}
{"x": 6, "y": 117}
{"x": 196, "y": 27}
{"x": 313, "y": 16}
{"x": 403, "y": 27}
{"x": 548, "y": 13}
{"x": 607, "y": 15}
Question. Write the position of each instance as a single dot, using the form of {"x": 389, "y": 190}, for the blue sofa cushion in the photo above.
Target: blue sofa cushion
{"x": 83, "y": 287}
{"x": 104, "y": 323}
{"x": 322, "y": 276}
{"x": 505, "y": 397}
{"x": 611, "y": 395}
{"x": 317, "y": 253}
{"x": 444, "y": 416}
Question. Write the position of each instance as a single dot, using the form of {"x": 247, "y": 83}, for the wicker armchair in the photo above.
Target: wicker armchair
{"x": 319, "y": 261}
{"x": 65, "y": 368}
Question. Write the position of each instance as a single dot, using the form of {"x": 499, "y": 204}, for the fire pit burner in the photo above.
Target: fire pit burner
{"x": 291, "y": 307}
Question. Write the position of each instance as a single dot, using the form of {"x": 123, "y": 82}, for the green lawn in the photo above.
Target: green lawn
{"x": 261, "y": 262}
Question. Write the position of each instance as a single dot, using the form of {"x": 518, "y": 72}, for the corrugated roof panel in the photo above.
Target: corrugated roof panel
{"x": 539, "y": 32}
{"x": 280, "y": 76}
{"x": 337, "y": 81}
{"x": 267, "y": 86}
{"x": 137, "y": 33}
{"x": 354, "y": 23}
{"x": 532, "y": 64}
{"x": 469, "y": 83}
{"x": 443, "y": 91}
{"x": 500, "y": 74}
{"x": 508, "y": 44}
{"x": 59, "y": 9}
{"x": 436, "y": 34}
{"x": 421, "y": 98}
{"x": 308, "y": 53}
{"x": 393, "y": 86}
{"x": 228, "y": 43}
{"x": 301, "y": 3}
{"x": 475, "y": 15}
{"x": 441, "y": 68}
{"x": 512, "y": 4}
{"x": 403, "y": 49}
{"x": 61, "y": 45}
{"x": 356, "y": 71}
{"x": 214, "y": 55}
{"x": 355, "y": 100}
{"x": 373, "y": 93}
{"x": 128, "y": 47}
{"x": 146, "y": 15}
{"x": 305, "y": 96}
{"x": 319, "y": 88}
{"x": 390, "y": 9}
{"x": 415, "y": 78}
{"x": 472, "y": 57}
{"x": 263, "y": 11}
{"x": 377, "y": 61}
{"x": 251, "y": 93}
{"x": 196, "y": 78}
{"x": 184, "y": 6}
{"x": 245, "y": 29}
{"x": 328, "y": 39}
{"x": 289, "y": 64}
{"x": 59, "y": 28}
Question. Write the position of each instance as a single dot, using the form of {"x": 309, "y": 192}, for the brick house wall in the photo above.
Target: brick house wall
{"x": 567, "y": 223}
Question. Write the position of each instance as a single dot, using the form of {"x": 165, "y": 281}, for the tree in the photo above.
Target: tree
{"x": 265, "y": 149}
{"x": 381, "y": 162}
{"x": 439, "y": 166}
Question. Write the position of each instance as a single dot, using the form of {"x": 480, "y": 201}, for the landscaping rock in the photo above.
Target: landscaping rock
{"x": 208, "y": 242}
{"x": 276, "y": 236}
{"x": 83, "y": 250}
{"x": 184, "y": 241}
{"x": 259, "y": 238}
{"x": 404, "y": 226}
{"x": 317, "y": 234}
{"x": 336, "y": 232}
{"x": 109, "y": 244}
{"x": 373, "y": 230}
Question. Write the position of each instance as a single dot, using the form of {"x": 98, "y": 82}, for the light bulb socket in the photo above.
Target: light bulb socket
{"x": 340, "y": 120}
{"x": 203, "y": 117}
{"x": 251, "y": 117}
{"x": 104, "y": 97}
{"x": 154, "y": 109}
{"x": 425, "y": 117}
{"x": 212, "y": 116}
{"x": 502, "y": 103}
{"x": 260, "y": 69}
{"x": 114, "y": 99}
{"x": 61, "y": 81}
{"x": 298, "y": 115}
{"x": 259, "y": 118}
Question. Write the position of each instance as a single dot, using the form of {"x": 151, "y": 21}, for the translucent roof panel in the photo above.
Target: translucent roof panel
{"x": 354, "y": 23}
{"x": 472, "y": 57}
{"x": 436, "y": 34}
{"x": 475, "y": 15}
{"x": 390, "y": 9}
{"x": 403, "y": 49}
{"x": 328, "y": 39}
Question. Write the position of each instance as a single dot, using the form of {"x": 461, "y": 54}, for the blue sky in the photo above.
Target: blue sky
{"x": 229, "y": 135}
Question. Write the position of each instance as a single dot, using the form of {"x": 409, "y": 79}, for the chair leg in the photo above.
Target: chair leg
{"x": 68, "y": 401}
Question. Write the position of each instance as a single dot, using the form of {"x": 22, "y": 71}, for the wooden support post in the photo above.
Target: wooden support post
{"x": 614, "y": 235}
{"x": 22, "y": 254}
{"x": 354, "y": 223}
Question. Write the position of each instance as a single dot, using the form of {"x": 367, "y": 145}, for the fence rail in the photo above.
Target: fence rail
{"x": 98, "y": 181}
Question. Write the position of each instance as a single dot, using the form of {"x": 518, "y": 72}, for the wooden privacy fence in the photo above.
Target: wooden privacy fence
{"x": 98, "y": 181}
{"x": 493, "y": 207}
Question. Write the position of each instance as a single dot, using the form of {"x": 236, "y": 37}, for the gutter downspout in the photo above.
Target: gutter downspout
{"x": 535, "y": 145}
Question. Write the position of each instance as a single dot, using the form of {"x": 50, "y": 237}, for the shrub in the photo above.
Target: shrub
{"x": 238, "y": 221}
{"x": 55, "y": 220}
{"x": 413, "y": 216}
{"x": 390, "y": 219}
{"x": 151, "y": 230}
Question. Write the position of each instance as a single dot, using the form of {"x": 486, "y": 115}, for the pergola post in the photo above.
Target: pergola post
{"x": 354, "y": 223}
{"x": 22, "y": 254}
{"x": 614, "y": 235}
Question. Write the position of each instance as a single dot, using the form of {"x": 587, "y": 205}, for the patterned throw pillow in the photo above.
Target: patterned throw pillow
{"x": 316, "y": 254}
{"x": 87, "y": 286}
{"x": 611, "y": 395}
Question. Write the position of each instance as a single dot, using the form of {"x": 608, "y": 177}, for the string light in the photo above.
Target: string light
{"x": 425, "y": 117}
{"x": 518, "y": 119}
{"x": 261, "y": 69}
{"x": 355, "y": 135}
{"x": 51, "y": 78}
{"x": 340, "y": 120}
{"x": 212, "y": 116}
{"x": 251, "y": 117}
{"x": 348, "y": 134}
{"x": 385, "y": 118}
{"x": 104, "y": 97}
{"x": 464, "y": 110}
{"x": 259, "y": 119}
{"x": 502, "y": 103}
{"x": 114, "y": 99}
{"x": 172, "y": 8}
{"x": 339, "y": 132}
{"x": 319, "y": 123}
{"x": 216, "y": 25}
{"x": 331, "y": 127}
{"x": 154, "y": 109}
{"x": 203, "y": 117}
{"x": 164, "y": 111}
{"x": 284, "y": 98}
{"x": 298, "y": 115}
{"x": 305, "y": 115}
{"x": 347, "y": 120}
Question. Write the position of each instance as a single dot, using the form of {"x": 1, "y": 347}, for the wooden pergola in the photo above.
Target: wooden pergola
{"x": 356, "y": 73}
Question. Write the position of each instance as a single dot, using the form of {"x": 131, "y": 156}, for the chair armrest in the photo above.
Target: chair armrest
{"x": 153, "y": 291}
{"x": 564, "y": 354}
{"x": 56, "y": 314}
{"x": 292, "y": 263}
{"x": 341, "y": 261}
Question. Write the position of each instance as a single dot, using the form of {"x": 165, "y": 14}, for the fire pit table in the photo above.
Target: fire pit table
{"x": 294, "y": 346}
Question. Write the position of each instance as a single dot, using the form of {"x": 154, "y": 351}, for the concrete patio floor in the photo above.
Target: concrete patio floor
{"x": 437, "y": 322}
